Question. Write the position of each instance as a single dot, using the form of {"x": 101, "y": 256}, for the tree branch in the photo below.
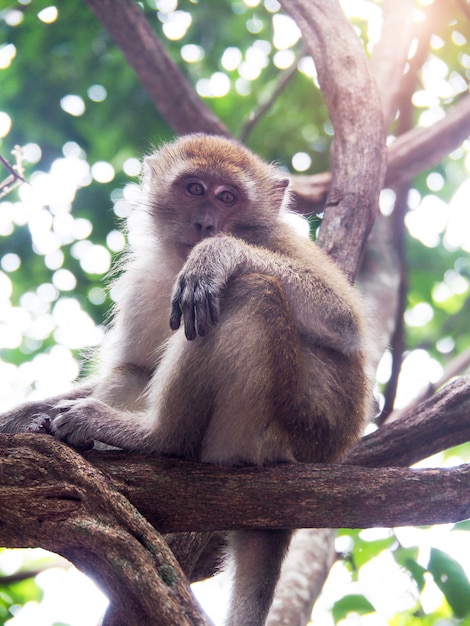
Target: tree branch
{"x": 169, "y": 90}
{"x": 354, "y": 107}
{"x": 408, "y": 155}
{"x": 52, "y": 497}
{"x": 203, "y": 497}
{"x": 390, "y": 54}
{"x": 439, "y": 423}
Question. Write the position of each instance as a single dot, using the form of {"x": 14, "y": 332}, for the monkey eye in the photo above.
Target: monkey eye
{"x": 227, "y": 197}
{"x": 195, "y": 189}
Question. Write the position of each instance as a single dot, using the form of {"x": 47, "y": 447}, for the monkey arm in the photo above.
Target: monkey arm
{"x": 323, "y": 303}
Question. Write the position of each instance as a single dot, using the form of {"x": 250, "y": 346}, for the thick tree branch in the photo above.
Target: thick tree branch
{"x": 209, "y": 497}
{"x": 51, "y": 497}
{"x": 408, "y": 155}
{"x": 455, "y": 367}
{"x": 354, "y": 107}
{"x": 390, "y": 54}
{"x": 169, "y": 90}
{"x": 436, "y": 424}
{"x": 203, "y": 497}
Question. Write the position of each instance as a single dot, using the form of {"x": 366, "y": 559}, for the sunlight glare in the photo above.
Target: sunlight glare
{"x": 75, "y": 328}
{"x": 7, "y": 54}
{"x": 284, "y": 59}
{"x": 286, "y": 32}
{"x": 428, "y": 220}
{"x": 192, "y": 53}
{"x": 48, "y": 15}
{"x": 73, "y": 105}
{"x": 5, "y": 124}
{"x": 231, "y": 58}
{"x": 457, "y": 234}
{"x": 418, "y": 370}
{"x": 176, "y": 24}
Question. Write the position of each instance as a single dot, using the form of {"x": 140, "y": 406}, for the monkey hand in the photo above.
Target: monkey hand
{"x": 76, "y": 421}
{"x": 197, "y": 292}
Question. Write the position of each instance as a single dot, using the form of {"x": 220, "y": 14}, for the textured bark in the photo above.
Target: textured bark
{"x": 51, "y": 497}
{"x": 209, "y": 497}
{"x": 358, "y": 165}
{"x": 40, "y": 470}
{"x": 436, "y": 424}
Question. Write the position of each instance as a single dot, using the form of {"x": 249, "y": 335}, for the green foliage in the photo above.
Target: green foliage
{"x": 450, "y": 577}
{"x": 17, "y": 594}
{"x": 364, "y": 550}
{"x": 351, "y": 604}
{"x": 407, "y": 559}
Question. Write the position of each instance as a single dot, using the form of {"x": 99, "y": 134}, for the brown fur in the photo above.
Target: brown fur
{"x": 270, "y": 365}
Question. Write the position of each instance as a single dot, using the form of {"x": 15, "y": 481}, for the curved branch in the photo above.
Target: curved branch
{"x": 171, "y": 93}
{"x": 52, "y": 497}
{"x": 355, "y": 111}
{"x": 436, "y": 424}
{"x": 408, "y": 155}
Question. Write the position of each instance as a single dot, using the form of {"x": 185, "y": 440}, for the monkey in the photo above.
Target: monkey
{"x": 234, "y": 340}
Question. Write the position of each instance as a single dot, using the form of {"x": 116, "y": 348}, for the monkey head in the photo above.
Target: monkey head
{"x": 200, "y": 185}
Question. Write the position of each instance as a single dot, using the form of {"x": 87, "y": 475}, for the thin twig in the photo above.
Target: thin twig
{"x": 455, "y": 367}
{"x": 284, "y": 79}
{"x": 16, "y": 176}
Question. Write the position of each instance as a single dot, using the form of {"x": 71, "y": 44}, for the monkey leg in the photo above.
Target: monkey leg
{"x": 221, "y": 399}
{"x": 258, "y": 555}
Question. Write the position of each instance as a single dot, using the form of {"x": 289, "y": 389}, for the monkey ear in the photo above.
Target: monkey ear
{"x": 281, "y": 190}
{"x": 282, "y": 183}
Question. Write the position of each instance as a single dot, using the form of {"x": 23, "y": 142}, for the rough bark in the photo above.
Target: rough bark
{"x": 215, "y": 498}
{"x": 51, "y": 497}
{"x": 206, "y": 497}
{"x": 358, "y": 164}
{"x": 437, "y": 424}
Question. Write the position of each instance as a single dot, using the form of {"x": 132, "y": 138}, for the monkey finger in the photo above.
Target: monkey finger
{"x": 214, "y": 309}
{"x": 201, "y": 317}
{"x": 175, "y": 314}
{"x": 189, "y": 326}
{"x": 41, "y": 424}
{"x": 189, "y": 321}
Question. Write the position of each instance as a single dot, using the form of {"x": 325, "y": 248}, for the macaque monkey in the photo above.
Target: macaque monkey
{"x": 234, "y": 341}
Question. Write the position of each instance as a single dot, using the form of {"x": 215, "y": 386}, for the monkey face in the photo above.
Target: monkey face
{"x": 203, "y": 185}
{"x": 206, "y": 205}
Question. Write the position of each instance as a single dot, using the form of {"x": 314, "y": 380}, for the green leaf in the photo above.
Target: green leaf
{"x": 406, "y": 558}
{"x": 351, "y": 604}
{"x": 22, "y": 592}
{"x": 451, "y": 579}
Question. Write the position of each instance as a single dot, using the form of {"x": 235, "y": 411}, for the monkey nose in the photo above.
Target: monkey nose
{"x": 205, "y": 224}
